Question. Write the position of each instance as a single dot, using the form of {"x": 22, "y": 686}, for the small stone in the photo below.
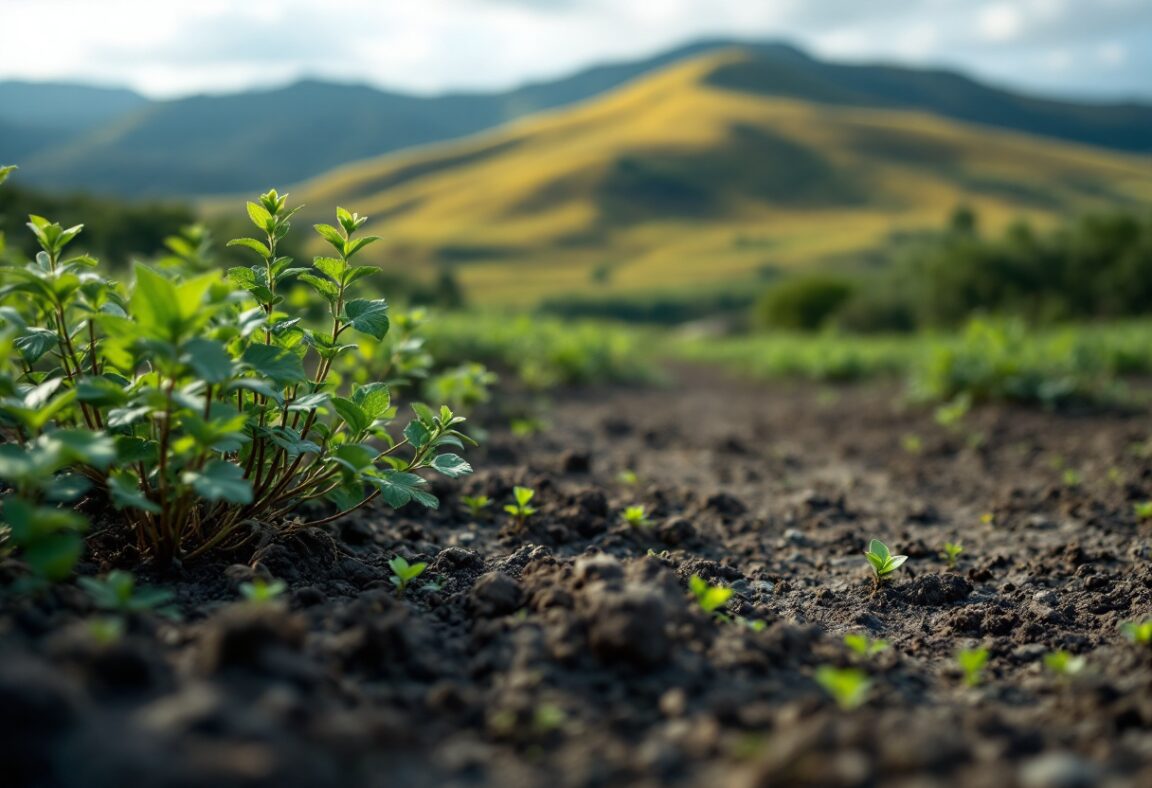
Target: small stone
{"x": 726, "y": 504}
{"x": 629, "y": 626}
{"x": 1059, "y": 770}
{"x": 573, "y": 461}
{"x": 598, "y": 567}
{"x": 675, "y": 531}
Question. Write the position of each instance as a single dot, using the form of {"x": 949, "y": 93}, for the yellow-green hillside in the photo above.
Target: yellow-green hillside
{"x": 672, "y": 183}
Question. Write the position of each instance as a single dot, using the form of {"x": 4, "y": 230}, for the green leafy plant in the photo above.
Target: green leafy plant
{"x": 628, "y": 477}
{"x": 117, "y": 592}
{"x": 636, "y": 517}
{"x": 849, "y": 687}
{"x": 208, "y": 415}
{"x": 972, "y": 663}
{"x": 864, "y": 646}
{"x": 106, "y": 630}
{"x": 261, "y": 591}
{"x": 476, "y": 504}
{"x": 404, "y": 573}
{"x": 951, "y": 553}
{"x": 882, "y": 561}
{"x": 1063, "y": 663}
{"x": 710, "y": 598}
{"x": 1139, "y": 632}
{"x": 1143, "y": 509}
{"x": 521, "y": 510}
{"x": 1072, "y": 477}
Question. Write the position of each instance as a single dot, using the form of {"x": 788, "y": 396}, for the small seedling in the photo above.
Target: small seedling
{"x": 628, "y": 477}
{"x": 951, "y": 553}
{"x": 913, "y": 444}
{"x": 865, "y": 646}
{"x": 261, "y": 591}
{"x": 848, "y": 686}
{"x": 106, "y": 630}
{"x": 882, "y": 561}
{"x": 476, "y": 504}
{"x": 987, "y": 519}
{"x": 117, "y": 592}
{"x": 404, "y": 573}
{"x": 636, "y": 517}
{"x": 972, "y": 662}
{"x": 1143, "y": 509}
{"x": 1072, "y": 478}
{"x": 1139, "y": 632}
{"x": 1063, "y": 663}
{"x": 520, "y": 510}
{"x": 1115, "y": 476}
{"x": 710, "y": 598}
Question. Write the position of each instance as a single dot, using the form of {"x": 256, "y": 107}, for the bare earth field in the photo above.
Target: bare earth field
{"x": 573, "y": 654}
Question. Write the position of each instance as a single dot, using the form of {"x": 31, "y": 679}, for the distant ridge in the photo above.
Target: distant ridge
{"x": 201, "y": 145}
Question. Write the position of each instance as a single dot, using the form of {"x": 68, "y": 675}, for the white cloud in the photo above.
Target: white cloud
{"x": 1000, "y": 23}
{"x": 1112, "y": 53}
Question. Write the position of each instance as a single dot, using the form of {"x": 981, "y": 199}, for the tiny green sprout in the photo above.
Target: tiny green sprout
{"x": 636, "y": 517}
{"x": 882, "y": 561}
{"x": 754, "y": 624}
{"x": 710, "y": 598}
{"x": 520, "y": 510}
{"x": 106, "y": 630}
{"x": 404, "y": 573}
{"x": 911, "y": 443}
{"x": 1143, "y": 509}
{"x": 1139, "y": 632}
{"x": 261, "y": 591}
{"x": 951, "y": 553}
{"x": 526, "y": 428}
{"x": 476, "y": 504}
{"x": 117, "y": 592}
{"x": 1063, "y": 663}
{"x": 548, "y": 717}
{"x": 848, "y": 686}
{"x": 628, "y": 477}
{"x": 987, "y": 519}
{"x": 865, "y": 646}
{"x": 972, "y": 662}
{"x": 1072, "y": 478}
{"x": 1115, "y": 476}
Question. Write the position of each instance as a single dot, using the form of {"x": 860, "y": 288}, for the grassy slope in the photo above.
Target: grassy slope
{"x": 673, "y": 182}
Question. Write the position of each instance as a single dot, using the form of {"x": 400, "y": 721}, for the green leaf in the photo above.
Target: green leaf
{"x": 331, "y": 235}
{"x": 451, "y": 466}
{"x": 54, "y": 557}
{"x": 209, "y": 359}
{"x": 35, "y": 342}
{"x": 5, "y": 171}
{"x": 417, "y": 434}
{"x": 356, "y": 457}
{"x": 398, "y": 488}
{"x": 331, "y": 266}
{"x": 352, "y": 247}
{"x": 353, "y": 415}
{"x": 155, "y": 305}
{"x": 368, "y": 317}
{"x": 124, "y": 487}
{"x": 326, "y": 288}
{"x": 261, "y": 217}
{"x": 251, "y": 243}
{"x": 281, "y": 366}
{"x": 220, "y": 481}
{"x": 81, "y": 446}
{"x": 374, "y": 399}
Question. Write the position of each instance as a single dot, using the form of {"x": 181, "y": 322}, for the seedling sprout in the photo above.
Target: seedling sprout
{"x": 520, "y": 510}
{"x": 882, "y": 561}
{"x": 849, "y": 687}
{"x": 404, "y": 573}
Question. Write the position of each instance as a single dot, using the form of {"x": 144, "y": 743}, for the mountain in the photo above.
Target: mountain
{"x": 686, "y": 178}
{"x": 245, "y": 142}
{"x": 38, "y": 116}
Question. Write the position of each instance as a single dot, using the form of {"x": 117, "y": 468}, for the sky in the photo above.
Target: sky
{"x": 165, "y": 48}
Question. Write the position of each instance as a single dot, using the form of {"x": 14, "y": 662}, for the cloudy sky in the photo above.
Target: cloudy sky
{"x": 1099, "y": 48}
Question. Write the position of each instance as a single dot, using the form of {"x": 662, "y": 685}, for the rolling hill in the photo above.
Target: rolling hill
{"x": 204, "y": 145}
{"x": 694, "y": 176}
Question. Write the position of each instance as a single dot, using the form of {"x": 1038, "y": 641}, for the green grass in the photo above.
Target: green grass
{"x": 988, "y": 361}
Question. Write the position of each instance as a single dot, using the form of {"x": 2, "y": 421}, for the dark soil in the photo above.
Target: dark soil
{"x": 572, "y": 653}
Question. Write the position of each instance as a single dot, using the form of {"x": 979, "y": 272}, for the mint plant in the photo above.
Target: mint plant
{"x": 636, "y": 517}
{"x": 1139, "y": 632}
{"x": 117, "y": 592}
{"x": 476, "y": 504}
{"x": 864, "y": 646}
{"x": 204, "y": 412}
{"x": 882, "y": 561}
{"x": 404, "y": 573}
{"x": 521, "y": 510}
{"x": 849, "y": 687}
{"x": 972, "y": 663}
{"x": 261, "y": 591}
{"x": 710, "y": 598}
{"x": 951, "y": 553}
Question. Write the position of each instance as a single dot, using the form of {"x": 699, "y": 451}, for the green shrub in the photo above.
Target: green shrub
{"x": 204, "y": 412}
{"x": 804, "y": 303}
